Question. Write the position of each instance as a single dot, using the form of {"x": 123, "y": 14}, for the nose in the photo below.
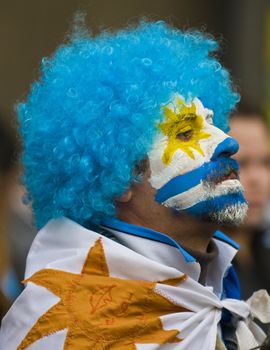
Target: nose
{"x": 226, "y": 148}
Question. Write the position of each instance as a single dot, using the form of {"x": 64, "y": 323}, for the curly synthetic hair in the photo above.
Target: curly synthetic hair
{"x": 93, "y": 114}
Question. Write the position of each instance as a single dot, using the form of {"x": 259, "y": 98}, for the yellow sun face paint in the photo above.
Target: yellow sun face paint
{"x": 184, "y": 129}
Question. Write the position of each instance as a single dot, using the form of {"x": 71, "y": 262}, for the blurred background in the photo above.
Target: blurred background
{"x": 32, "y": 29}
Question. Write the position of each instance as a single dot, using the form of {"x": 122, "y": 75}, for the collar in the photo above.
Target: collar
{"x": 163, "y": 249}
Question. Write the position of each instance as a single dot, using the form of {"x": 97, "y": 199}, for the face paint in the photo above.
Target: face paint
{"x": 190, "y": 163}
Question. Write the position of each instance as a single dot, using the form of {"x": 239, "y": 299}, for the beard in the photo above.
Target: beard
{"x": 233, "y": 215}
{"x": 222, "y": 203}
{"x": 226, "y": 204}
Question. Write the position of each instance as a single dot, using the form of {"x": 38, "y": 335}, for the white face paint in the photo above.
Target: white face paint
{"x": 190, "y": 162}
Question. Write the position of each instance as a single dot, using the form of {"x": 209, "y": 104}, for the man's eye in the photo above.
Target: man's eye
{"x": 185, "y": 136}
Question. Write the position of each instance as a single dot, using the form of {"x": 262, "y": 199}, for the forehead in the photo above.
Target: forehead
{"x": 179, "y": 106}
{"x": 251, "y": 135}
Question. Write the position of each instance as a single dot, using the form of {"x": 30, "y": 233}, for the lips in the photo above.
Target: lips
{"x": 223, "y": 175}
{"x": 232, "y": 175}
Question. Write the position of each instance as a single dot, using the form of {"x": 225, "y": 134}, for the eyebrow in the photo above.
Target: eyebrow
{"x": 189, "y": 116}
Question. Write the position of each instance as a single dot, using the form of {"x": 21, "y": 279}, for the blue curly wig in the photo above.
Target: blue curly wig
{"x": 93, "y": 114}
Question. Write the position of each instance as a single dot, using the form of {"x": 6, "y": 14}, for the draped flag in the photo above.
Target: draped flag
{"x": 84, "y": 291}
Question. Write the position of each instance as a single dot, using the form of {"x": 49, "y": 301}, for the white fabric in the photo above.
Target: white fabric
{"x": 63, "y": 244}
{"x": 170, "y": 256}
{"x": 157, "y": 251}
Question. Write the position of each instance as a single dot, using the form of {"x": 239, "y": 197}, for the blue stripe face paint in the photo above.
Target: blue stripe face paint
{"x": 212, "y": 171}
{"x": 219, "y": 203}
{"x": 190, "y": 163}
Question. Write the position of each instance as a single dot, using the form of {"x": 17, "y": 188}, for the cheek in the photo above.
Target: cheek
{"x": 181, "y": 164}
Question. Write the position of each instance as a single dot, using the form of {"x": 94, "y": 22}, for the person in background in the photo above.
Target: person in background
{"x": 249, "y": 127}
{"x": 9, "y": 285}
{"x": 21, "y": 231}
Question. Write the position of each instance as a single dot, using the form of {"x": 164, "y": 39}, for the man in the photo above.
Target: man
{"x": 250, "y": 128}
{"x": 122, "y": 150}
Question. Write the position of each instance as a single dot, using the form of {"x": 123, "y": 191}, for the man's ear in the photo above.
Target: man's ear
{"x": 126, "y": 197}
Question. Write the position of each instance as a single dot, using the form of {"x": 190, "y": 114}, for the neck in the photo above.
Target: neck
{"x": 187, "y": 231}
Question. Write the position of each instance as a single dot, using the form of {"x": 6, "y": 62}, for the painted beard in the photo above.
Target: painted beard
{"x": 224, "y": 203}
{"x": 191, "y": 168}
{"x": 217, "y": 198}
{"x": 233, "y": 215}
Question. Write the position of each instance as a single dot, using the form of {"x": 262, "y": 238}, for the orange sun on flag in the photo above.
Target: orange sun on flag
{"x": 102, "y": 312}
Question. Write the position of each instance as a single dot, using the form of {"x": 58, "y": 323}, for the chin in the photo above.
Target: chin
{"x": 230, "y": 206}
{"x": 232, "y": 215}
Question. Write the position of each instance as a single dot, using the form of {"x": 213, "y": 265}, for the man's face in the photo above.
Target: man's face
{"x": 254, "y": 160}
{"x": 191, "y": 168}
